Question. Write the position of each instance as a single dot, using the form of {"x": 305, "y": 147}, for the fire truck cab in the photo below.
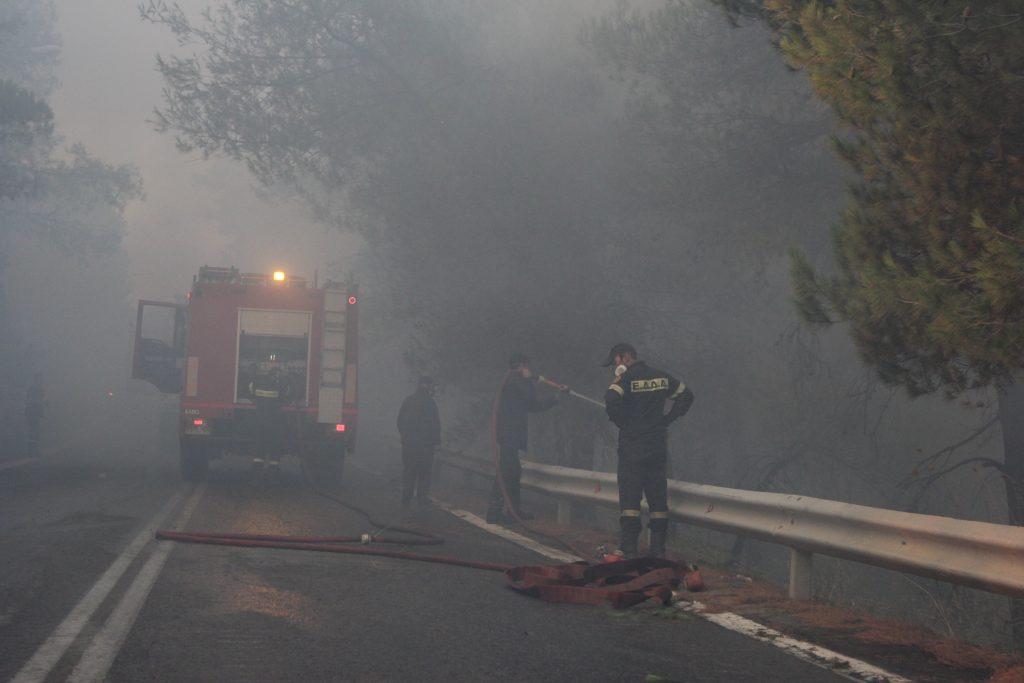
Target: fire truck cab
{"x": 233, "y": 331}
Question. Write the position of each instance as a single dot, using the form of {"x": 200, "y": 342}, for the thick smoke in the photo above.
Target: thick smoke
{"x": 543, "y": 176}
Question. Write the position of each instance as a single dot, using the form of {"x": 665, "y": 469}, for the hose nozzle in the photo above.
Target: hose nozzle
{"x": 565, "y": 389}
{"x": 552, "y": 383}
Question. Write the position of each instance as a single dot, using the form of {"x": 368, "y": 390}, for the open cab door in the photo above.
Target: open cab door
{"x": 159, "y": 354}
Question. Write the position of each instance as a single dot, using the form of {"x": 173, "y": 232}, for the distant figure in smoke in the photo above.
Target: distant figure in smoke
{"x": 635, "y": 402}
{"x": 270, "y": 391}
{"x": 518, "y": 399}
{"x": 35, "y": 405}
{"x": 420, "y": 426}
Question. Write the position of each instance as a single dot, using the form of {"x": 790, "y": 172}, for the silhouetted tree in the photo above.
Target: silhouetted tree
{"x": 930, "y": 251}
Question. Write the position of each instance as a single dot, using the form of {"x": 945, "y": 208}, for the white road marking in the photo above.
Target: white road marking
{"x": 497, "y": 530}
{"x": 841, "y": 665}
{"x": 96, "y": 660}
{"x": 50, "y": 652}
{"x": 518, "y": 539}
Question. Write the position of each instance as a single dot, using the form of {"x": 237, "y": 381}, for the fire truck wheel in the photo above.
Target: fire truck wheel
{"x": 195, "y": 462}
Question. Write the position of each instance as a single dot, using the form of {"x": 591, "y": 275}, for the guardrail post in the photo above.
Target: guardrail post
{"x": 800, "y": 574}
{"x": 564, "y": 512}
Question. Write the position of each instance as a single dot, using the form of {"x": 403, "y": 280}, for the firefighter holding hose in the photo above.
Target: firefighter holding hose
{"x": 518, "y": 398}
{"x": 635, "y": 402}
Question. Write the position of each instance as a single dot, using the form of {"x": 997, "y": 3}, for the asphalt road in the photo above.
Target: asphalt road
{"x": 185, "y": 612}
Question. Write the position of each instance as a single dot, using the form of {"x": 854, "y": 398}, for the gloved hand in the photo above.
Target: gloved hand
{"x": 619, "y": 372}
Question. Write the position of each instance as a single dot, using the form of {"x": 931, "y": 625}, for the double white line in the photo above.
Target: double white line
{"x": 100, "y": 653}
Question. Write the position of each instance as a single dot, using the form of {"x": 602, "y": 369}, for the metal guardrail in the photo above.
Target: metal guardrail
{"x": 986, "y": 556}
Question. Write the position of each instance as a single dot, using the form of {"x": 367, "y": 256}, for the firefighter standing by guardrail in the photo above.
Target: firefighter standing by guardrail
{"x": 635, "y": 402}
{"x": 517, "y": 400}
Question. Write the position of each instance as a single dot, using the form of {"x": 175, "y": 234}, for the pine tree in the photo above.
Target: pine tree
{"x": 930, "y": 250}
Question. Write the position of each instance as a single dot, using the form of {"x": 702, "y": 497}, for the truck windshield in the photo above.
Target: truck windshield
{"x": 262, "y": 353}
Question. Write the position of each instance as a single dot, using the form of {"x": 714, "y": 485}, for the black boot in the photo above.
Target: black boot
{"x": 657, "y": 544}
{"x": 627, "y": 543}
{"x": 524, "y": 515}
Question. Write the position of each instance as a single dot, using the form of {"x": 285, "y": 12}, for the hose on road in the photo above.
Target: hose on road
{"x": 419, "y": 537}
{"x": 621, "y": 584}
{"x": 322, "y": 544}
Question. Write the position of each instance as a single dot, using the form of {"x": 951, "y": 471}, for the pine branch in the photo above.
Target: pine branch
{"x": 912, "y": 478}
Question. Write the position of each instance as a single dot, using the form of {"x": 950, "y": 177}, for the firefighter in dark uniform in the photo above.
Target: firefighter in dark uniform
{"x": 35, "y": 405}
{"x": 518, "y": 399}
{"x": 270, "y": 391}
{"x": 420, "y": 427}
{"x": 635, "y": 402}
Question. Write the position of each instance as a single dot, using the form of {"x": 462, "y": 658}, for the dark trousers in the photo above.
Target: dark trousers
{"x": 271, "y": 428}
{"x": 646, "y": 476}
{"x": 511, "y": 471}
{"x": 417, "y": 467}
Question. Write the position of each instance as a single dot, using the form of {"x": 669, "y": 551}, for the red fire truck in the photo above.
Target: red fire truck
{"x": 234, "y": 326}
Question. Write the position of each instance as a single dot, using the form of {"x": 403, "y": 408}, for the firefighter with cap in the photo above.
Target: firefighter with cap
{"x": 517, "y": 400}
{"x": 635, "y": 402}
{"x": 420, "y": 427}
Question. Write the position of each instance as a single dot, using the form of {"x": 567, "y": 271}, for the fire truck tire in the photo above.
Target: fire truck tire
{"x": 195, "y": 462}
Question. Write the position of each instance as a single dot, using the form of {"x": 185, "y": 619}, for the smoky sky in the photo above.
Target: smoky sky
{"x": 195, "y": 211}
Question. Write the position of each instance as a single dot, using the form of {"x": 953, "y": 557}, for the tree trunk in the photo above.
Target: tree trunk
{"x": 1011, "y": 418}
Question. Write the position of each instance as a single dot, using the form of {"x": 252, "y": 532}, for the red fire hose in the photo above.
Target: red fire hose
{"x": 321, "y": 545}
{"x": 622, "y": 584}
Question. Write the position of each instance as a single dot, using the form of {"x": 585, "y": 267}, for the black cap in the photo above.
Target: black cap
{"x": 620, "y": 349}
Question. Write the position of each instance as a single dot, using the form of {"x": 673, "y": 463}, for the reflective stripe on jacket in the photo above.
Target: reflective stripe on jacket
{"x": 636, "y": 403}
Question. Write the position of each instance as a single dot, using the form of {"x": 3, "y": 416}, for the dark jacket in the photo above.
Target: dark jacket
{"x": 518, "y": 399}
{"x": 269, "y": 387}
{"x": 636, "y": 404}
{"x": 418, "y": 420}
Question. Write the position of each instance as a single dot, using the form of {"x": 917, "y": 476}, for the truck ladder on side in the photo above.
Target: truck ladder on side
{"x": 332, "y": 359}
